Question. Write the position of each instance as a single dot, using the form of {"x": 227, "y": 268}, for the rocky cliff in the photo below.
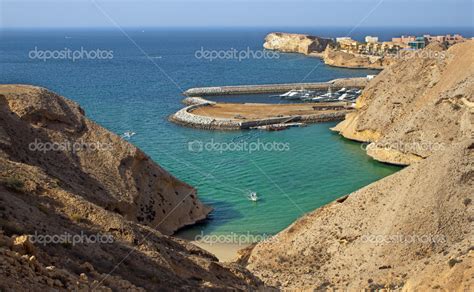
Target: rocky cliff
{"x": 416, "y": 107}
{"x": 296, "y": 43}
{"x": 96, "y": 207}
{"x": 44, "y": 130}
{"x": 412, "y": 230}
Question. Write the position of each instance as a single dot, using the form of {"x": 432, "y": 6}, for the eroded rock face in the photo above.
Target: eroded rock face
{"x": 296, "y": 43}
{"x": 93, "y": 162}
{"x": 94, "y": 185}
{"x": 417, "y": 106}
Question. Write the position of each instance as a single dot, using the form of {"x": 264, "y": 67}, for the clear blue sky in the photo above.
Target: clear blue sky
{"x": 236, "y": 13}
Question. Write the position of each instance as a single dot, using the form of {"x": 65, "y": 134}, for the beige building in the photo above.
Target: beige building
{"x": 450, "y": 39}
{"x": 404, "y": 39}
{"x": 371, "y": 39}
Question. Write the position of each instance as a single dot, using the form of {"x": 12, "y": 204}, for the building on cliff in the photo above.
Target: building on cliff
{"x": 371, "y": 39}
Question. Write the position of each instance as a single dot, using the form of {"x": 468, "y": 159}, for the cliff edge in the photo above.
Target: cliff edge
{"x": 417, "y": 106}
{"x": 296, "y": 43}
{"x": 81, "y": 209}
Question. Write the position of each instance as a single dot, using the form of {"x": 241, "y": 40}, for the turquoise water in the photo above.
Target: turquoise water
{"x": 311, "y": 166}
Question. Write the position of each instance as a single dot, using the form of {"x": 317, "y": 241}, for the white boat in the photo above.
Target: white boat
{"x": 253, "y": 196}
{"x": 342, "y": 90}
{"x": 289, "y": 93}
{"x": 343, "y": 96}
{"x": 128, "y": 134}
{"x": 297, "y": 94}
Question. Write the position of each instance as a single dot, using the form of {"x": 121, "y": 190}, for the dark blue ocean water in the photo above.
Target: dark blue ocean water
{"x": 293, "y": 171}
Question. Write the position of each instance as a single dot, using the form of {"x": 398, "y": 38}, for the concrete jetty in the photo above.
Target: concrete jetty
{"x": 336, "y": 84}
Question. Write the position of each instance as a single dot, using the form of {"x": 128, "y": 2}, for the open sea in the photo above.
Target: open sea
{"x": 293, "y": 171}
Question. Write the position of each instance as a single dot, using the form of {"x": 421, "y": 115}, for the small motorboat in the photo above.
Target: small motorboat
{"x": 295, "y": 94}
{"x": 343, "y": 96}
{"x": 253, "y": 196}
{"x": 128, "y": 134}
{"x": 290, "y": 93}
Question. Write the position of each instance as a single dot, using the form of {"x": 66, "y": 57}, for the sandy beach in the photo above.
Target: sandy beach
{"x": 225, "y": 252}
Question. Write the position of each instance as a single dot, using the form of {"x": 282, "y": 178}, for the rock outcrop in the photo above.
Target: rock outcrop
{"x": 411, "y": 230}
{"x": 296, "y": 43}
{"x": 46, "y": 131}
{"x": 338, "y": 58}
{"x": 81, "y": 209}
{"x": 417, "y": 106}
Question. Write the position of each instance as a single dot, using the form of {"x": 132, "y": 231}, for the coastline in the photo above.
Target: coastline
{"x": 225, "y": 252}
{"x": 201, "y": 113}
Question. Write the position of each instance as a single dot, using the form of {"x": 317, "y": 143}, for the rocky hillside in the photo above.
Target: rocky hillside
{"x": 43, "y": 130}
{"x": 412, "y": 230}
{"x": 296, "y": 43}
{"x": 92, "y": 204}
{"x": 337, "y": 58}
{"x": 417, "y": 106}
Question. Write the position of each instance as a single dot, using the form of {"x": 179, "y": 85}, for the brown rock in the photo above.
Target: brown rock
{"x": 296, "y": 43}
{"x": 416, "y": 107}
{"x": 23, "y": 245}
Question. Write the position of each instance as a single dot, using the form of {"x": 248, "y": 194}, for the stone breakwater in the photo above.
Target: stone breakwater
{"x": 196, "y": 101}
{"x": 185, "y": 117}
{"x": 335, "y": 84}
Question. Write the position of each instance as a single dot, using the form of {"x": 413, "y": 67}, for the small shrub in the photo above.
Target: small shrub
{"x": 452, "y": 262}
{"x": 77, "y": 218}
{"x": 15, "y": 184}
{"x": 10, "y": 228}
{"x": 467, "y": 201}
{"x": 43, "y": 209}
{"x": 66, "y": 245}
{"x": 456, "y": 106}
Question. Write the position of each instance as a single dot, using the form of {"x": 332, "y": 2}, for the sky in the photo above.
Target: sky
{"x": 235, "y": 13}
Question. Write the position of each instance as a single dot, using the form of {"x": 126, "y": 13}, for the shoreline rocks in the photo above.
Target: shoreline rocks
{"x": 324, "y": 48}
{"x": 417, "y": 106}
